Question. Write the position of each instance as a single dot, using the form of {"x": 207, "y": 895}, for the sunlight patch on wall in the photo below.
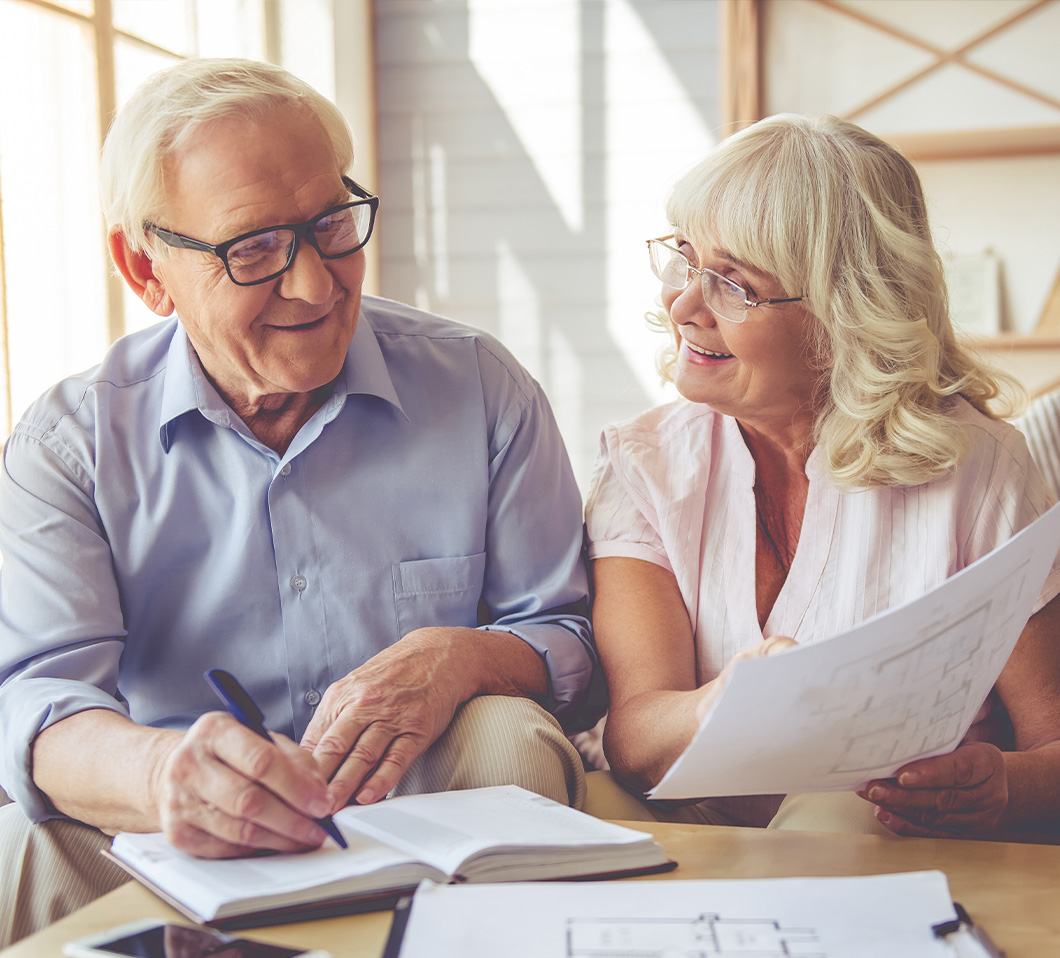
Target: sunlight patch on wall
{"x": 566, "y": 391}
{"x": 519, "y": 312}
{"x": 430, "y": 219}
{"x": 654, "y": 133}
{"x": 530, "y": 58}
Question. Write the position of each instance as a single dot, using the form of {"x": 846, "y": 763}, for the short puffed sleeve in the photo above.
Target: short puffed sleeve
{"x": 620, "y": 515}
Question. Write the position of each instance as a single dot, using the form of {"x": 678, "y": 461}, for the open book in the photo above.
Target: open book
{"x": 503, "y": 833}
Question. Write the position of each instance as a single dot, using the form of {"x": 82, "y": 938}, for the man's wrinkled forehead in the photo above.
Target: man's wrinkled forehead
{"x": 227, "y": 167}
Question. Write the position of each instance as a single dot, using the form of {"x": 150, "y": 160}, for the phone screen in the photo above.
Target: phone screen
{"x": 178, "y": 941}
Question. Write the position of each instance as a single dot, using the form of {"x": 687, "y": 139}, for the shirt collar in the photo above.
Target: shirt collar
{"x": 186, "y": 387}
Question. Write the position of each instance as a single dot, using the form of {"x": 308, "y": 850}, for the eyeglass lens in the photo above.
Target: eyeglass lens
{"x": 335, "y": 234}
{"x": 722, "y": 296}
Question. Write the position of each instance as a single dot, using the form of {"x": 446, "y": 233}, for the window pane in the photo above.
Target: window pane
{"x": 234, "y": 29}
{"x": 53, "y": 231}
{"x": 132, "y": 65}
{"x": 84, "y": 7}
{"x": 206, "y": 28}
{"x": 167, "y": 23}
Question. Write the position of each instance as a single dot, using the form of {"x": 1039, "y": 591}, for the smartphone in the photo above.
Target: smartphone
{"x": 153, "y": 938}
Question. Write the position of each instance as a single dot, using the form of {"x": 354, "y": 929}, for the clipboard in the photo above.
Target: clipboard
{"x": 402, "y": 911}
{"x": 964, "y": 938}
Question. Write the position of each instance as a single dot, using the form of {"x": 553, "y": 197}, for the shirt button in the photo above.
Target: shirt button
{"x": 298, "y": 583}
{"x": 285, "y": 470}
{"x": 312, "y": 697}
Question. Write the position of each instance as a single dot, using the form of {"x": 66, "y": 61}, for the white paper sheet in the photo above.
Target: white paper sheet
{"x": 877, "y": 916}
{"x": 903, "y": 685}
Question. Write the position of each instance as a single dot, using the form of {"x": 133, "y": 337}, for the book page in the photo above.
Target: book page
{"x": 901, "y": 686}
{"x": 447, "y": 828}
{"x": 876, "y": 916}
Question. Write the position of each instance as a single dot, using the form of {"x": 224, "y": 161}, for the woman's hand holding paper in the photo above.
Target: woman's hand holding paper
{"x": 963, "y": 792}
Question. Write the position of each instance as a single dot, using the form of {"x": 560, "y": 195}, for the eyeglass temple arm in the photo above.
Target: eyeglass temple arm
{"x": 357, "y": 190}
{"x": 180, "y": 242}
{"x": 770, "y": 302}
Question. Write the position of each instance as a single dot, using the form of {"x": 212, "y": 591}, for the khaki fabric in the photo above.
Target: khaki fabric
{"x": 829, "y": 812}
{"x": 500, "y": 740}
{"x": 49, "y": 870}
{"x": 605, "y": 798}
{"x": 816, "y": 812}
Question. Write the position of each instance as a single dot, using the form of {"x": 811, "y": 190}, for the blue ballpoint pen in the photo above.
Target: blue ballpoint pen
{"x": 241, "y": 706}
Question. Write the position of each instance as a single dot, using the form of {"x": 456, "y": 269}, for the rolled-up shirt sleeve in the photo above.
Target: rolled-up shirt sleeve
{"x": 536, "y": 582}
{"x": 61, "y": 630}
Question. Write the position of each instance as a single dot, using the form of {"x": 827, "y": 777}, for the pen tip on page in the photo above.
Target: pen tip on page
{"x": 332, "y": 829}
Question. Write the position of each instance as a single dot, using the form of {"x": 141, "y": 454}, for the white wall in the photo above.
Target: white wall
{"x": 525, "y": 150}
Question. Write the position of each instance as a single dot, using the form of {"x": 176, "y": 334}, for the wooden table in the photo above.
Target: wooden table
{"x": 1012, "y": 890}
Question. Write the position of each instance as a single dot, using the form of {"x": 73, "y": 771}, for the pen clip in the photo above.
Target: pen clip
{"x": 237, "y": 700}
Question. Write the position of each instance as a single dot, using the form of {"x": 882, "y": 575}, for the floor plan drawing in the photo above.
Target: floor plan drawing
{"x": 915, "y": 700}
{"x": 835, "y": 712}
{"x": 707, "y": 936}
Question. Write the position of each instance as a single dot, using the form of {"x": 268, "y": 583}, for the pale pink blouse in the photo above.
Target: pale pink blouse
{"x": 675, "y": 486}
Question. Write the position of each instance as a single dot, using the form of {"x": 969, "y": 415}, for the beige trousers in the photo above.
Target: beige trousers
{"x": 53, "y": 868}
{"x": 816, "y": 812}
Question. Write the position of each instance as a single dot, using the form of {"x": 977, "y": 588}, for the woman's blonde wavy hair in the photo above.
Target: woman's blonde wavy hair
{"x": 838, "y": 216}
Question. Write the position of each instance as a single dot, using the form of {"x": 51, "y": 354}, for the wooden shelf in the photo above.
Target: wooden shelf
{"x": 978, "y": 144}
{"x": 1033, "y": 358}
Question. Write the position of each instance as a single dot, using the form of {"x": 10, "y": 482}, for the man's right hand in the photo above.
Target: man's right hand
{"x": 223, "y": 791}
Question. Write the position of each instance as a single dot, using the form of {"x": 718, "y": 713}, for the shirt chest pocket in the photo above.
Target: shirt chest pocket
{"x": 442, "y": 591}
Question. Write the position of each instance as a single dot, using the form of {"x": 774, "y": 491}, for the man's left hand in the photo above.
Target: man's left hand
{"x": 962, "y": 793}
{"x": 372, "y": 724}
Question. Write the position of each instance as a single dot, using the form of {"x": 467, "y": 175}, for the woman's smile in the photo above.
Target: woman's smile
{"x": 708, "y": 353}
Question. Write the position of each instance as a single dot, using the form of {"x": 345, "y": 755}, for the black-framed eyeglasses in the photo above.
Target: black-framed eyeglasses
{"x": 261, "y": 255}
{"x": 722, "y": 296}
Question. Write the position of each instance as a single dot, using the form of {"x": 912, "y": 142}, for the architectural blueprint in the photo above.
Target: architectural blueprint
{"x": 707, "y": 936}
{"x": 870, "y": 916}
{"x": 903, "y": 685}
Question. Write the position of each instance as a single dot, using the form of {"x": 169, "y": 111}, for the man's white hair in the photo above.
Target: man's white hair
{"x": 170, "y": 105}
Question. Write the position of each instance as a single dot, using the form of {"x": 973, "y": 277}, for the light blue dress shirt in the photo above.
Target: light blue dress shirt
{"x": 147, "y": 535}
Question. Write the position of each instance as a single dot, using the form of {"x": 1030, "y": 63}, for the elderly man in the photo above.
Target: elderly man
{"x": 363, "y": 511}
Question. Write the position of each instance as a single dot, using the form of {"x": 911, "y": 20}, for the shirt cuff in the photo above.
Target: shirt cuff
{"x": 572, "y": 668}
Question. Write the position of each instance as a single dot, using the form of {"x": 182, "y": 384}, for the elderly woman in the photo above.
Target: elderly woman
{"x": 833, "y": 454}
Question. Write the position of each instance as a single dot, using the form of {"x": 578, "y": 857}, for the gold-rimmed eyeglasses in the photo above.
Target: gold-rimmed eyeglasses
{"x": 723, "y": 297}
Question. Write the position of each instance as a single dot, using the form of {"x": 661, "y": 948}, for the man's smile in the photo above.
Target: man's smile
{"x": 297, "y": 327}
